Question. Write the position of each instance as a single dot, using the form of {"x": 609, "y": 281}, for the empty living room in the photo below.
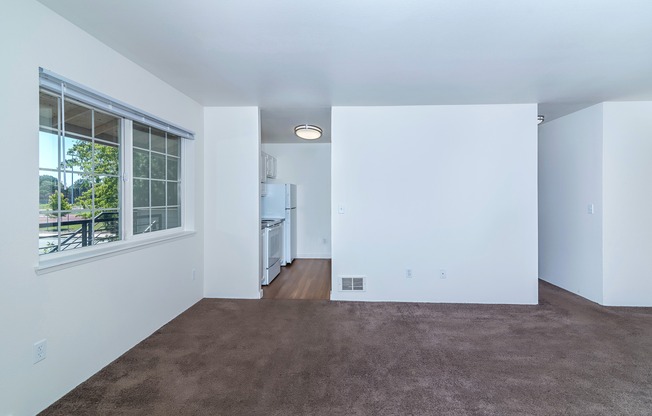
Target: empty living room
{"x": 472, "y": 182}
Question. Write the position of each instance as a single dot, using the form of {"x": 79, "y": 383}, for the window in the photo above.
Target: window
{"x": 87, "y": 144}
{"x": 157, "y": 179}
{"x": 79, "y": 167}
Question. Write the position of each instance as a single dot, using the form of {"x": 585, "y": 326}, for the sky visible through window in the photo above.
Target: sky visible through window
{"x": 49, "y": 158}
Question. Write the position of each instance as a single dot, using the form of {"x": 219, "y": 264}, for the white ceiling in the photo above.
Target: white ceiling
{"x": 306, "y": 54}
{"x": 278, "y": 123}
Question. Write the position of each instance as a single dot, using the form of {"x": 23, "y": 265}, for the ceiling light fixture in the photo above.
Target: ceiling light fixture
{"x": 540, "y": 119}
{"x": 308, "y": 132}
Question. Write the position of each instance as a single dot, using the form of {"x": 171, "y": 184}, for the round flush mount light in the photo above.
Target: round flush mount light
{"x": 540, "y": 119}
{"x": 308, "y": 132}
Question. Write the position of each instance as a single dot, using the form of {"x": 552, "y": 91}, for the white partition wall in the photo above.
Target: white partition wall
{"x": 432, "y": 189}
{"x": 89, "y": 313}
{"x": 627, "y": 198}
{"x": 570, "y": 183}
{"x": 231, "y": 202}
{"x": 598, "y": 159}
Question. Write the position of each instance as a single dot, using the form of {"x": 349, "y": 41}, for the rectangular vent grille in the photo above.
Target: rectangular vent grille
{"x": 352, "y": 284}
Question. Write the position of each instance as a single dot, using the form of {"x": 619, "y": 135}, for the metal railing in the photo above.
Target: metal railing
{"x": 106, "y": 229}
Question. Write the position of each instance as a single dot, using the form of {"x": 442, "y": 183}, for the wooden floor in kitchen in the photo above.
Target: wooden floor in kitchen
{"x": 303, "y": 279}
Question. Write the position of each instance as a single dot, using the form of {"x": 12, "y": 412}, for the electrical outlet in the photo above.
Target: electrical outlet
{"x": 408, "y": 273}
{"x": 324, "y": 240}
{"x": 40, "y": 350}
{"x": 442, "y": 273}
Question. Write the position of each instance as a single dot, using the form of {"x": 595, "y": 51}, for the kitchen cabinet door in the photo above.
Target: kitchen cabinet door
{"x": 273, "y": 168}
{"x": 262, "y": 168}
{"x": 270, "y": 166}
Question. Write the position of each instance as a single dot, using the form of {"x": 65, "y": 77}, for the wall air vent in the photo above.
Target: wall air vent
{"x": 352, "y": 283}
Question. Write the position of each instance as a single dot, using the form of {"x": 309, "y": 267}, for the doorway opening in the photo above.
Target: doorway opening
{"x": 303, "y": 279}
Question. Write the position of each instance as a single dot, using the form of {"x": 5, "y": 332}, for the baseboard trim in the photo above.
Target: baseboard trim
{"x": 313, "y": 256}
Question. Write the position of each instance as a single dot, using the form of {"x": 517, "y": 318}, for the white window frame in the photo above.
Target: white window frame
{"x": 129, "y": 241}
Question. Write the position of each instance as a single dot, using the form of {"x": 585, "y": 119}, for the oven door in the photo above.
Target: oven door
{"x": 274, "y": 244}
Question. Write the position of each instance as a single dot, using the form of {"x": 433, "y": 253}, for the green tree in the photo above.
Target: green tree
{"x": 106, "y": 194}
{"x": 95, "y": 161}
{"x": 104, "y": 162}
{"x": 47, "y": 186}
{"x": 78, "y": 188}
{"x": 53, "y": 202}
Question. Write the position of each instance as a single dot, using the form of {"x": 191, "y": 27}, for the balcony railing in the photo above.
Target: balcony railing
{"x": 101, "y": 229}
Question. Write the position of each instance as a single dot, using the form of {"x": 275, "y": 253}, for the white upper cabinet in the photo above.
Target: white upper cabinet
{"x": 269, "y": 163}
{"x": 262, "y": 168}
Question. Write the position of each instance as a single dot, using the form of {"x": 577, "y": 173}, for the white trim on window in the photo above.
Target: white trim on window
{"x": 63, "y": 260}
{"x": 127, "y": 173}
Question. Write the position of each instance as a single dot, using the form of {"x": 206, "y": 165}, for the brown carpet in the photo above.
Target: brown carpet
{"x": 566, "y": 356}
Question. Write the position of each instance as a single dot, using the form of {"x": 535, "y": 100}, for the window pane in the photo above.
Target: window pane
{"x": 78, "y": 154}
{"x": 158, "y": 193}
{"x": 49, "y": 198}
{"x": 174, "y": 145}
{"x": 48, "y": 236}
{"x": 141, "y": 163}
{"x": 76, "y": 230}
{"x": 158, "y": 219}
{"x": 106, "y": 227}
{"x": 67, "y": 181}
{"x": 79, "y": 190}
{"x": 48, "y": 185}
{"x": 141, "y": 136}
{"x": 158, "y": 166}
{"x": 78, "y": 118}
{"x": 173, "y": 169}
{"x": 174, "y": 218}
{"x": 173, "y": 193}
{"x": 141, "y": 193}
{"x": 158, "y": 141}
{"x": 141, "y": 221}
{"x": 107, "y": 127}
{"x": 48, "y": 111}
{"x": 106, "y": 192}
{"x": 79, "y": 175}
{"x": 48, "y": 150}
{"x": 106, "y": 159}
{"x": 162, "y": 166}
{"x": 47, "y": 233}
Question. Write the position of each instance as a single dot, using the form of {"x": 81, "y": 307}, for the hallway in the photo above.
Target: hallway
{"x": 303, "y": 279}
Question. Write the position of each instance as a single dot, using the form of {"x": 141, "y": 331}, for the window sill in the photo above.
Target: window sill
{"x": 60, "y": 261}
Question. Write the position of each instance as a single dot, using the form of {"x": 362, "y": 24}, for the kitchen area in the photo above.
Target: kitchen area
{"x": 294, "y": 176}
{"x": 278, "y": 229}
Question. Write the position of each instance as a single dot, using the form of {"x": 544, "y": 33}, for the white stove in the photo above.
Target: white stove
{"x": 272, "y": 249}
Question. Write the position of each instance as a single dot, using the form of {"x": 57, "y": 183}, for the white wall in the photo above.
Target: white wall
{"x": 232, "y": 204}
{"x": 436, "y": 187}
{"x": 570, "y": 178}
{"x": 308, "y": 165}
{"x": 602, "y": 153}
{"x": 90, "y": 313}
{"x": 628, "y": 198}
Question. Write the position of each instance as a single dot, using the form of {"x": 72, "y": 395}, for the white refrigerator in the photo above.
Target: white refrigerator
{"x": 281, "y": 202}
